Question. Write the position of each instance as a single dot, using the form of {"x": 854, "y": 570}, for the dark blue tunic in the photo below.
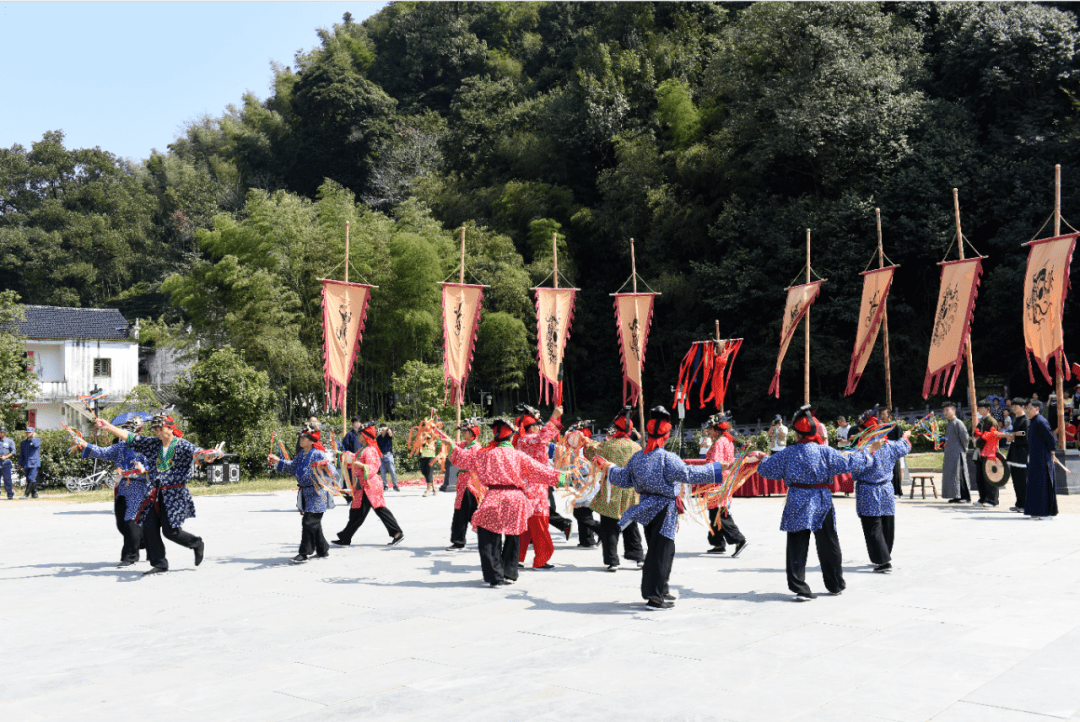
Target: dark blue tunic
{"x": 1041, "y": 495}
{"x": 133, "y": 488}
{"x": 658, "y": 477}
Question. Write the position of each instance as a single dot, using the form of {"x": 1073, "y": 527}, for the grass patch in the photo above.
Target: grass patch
{"x": 930, "y": 460}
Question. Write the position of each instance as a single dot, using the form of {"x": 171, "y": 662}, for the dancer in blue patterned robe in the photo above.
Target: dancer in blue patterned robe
{"x": 314, "y": 500}
{"x": 875, "y": 502}
{"x": 169, "y": 503}
{"x": 657, "y": 475}
{"x": 808, "y": 469}
{"x": 130, "y": 491}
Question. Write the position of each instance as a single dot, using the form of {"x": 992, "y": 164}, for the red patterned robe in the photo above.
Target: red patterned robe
{"x": 722, "y": 451}
{"x": 536, "y": 447}
{"x": 370, "y": 459}
{"x": 506, "y": 472}
{"x": 465, "y": 480}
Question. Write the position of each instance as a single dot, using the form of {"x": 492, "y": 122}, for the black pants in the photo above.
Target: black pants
{"x": 31, "y": 474}
{"x": 358, "y": 515}
{"x": 427, "y": 469}
{"x": 1019, "y": 481}
{"x": 156, "y": 526}
{"x": 609, "y": 540}
{"x": 878, "y": 532}
{"x": 727, "y": 534}
{"x": 556, "y": 519}
{"x": 828, "y": 550}
{"x": 459, "y": 525}
{"x": 898, "y": 479}
{"x": 312, "y": 540}
{"x": 658, "y": 560}
{"x": 498, "y": 555}
{"x": 988, "y": 493}
{"x": 587, "y": 526}
{"x": 130, "y": 530}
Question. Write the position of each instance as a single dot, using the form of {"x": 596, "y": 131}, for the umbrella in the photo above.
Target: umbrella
{"x": 124, "y": 418}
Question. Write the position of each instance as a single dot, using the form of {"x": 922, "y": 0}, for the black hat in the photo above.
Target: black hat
{"x": 659, "y": 412}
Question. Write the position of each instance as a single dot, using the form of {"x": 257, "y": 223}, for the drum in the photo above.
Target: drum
{"x": 995, "y": 470}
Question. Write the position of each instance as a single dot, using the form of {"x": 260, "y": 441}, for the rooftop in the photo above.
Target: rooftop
{"x": 83, "y": 323}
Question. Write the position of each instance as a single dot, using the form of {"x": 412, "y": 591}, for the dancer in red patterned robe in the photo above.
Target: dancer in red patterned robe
{"x": 369, "y": 490}
{"x": 533, "y": 440}
{"x": 722, "y": 451}
{"x": 469, "y": 489}
{"x": 504, "y": 513}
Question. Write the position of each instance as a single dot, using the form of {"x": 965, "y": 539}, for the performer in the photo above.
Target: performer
{"x": 954, "y": 469}
{"x": 469, "y": 489}
{"x": 875, "y": 502}
{"x": 612, "y": 502}
{"x": 314, "y": 500}
{"x": 168, "y": 504}
{"x": 368, "y": 491}
{"x": 1017, "y": 457}
{"x": 532, "y": 439}
{"x": 657, "y": 475}
{"x": 808, "y": 469}
{"x": 901, "y": 464}
{"x": 503, "y": 515}
{"x": 722, "y": 452}
{"x": 588, "y": 526}
{"x": 130, "y": 491}
{"x": 986, "y": 440}
{"x": 1041, "y": 501}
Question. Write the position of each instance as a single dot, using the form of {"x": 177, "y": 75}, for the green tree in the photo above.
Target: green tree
{"x": 222, "y": 395}
{"x": 18, "y": 382}
{"x": 502, "y": 352}
{"x": 419, "y": 389}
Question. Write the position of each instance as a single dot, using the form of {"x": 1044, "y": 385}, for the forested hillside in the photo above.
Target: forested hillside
{"x": 712, "y": 133}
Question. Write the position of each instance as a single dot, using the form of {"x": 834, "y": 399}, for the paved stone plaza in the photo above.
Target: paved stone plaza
{"x": 978, "y": 622}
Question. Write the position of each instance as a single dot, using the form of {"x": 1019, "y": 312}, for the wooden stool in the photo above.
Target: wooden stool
{"x": 922, "y": 480}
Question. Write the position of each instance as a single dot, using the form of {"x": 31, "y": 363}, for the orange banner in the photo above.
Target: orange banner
{"x": 633, "y": 317}
{"x": 799, "y": 301}
{"x": 461, "y": 319}
{"x": 952, "y": 323}
{"x": 554, "y": 311}
{"x": 344, "y": 312}
{"x": 1046, "y": 284}
{"x": 875, "y": 293}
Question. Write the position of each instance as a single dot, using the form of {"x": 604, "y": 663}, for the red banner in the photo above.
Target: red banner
{"x": 633, "y": 317}
{"x": 875, "y": 293}
{"x": 554, "y": 311}
{"x": 461, "y": 320}
{"x": 1046, "y": 284}
{"x": 344, "y": 313}
{"x": 799, "y": 301}
{"x": 952, "y": 324}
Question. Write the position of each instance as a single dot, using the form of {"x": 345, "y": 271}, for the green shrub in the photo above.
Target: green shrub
{"x": 56, "y": 464}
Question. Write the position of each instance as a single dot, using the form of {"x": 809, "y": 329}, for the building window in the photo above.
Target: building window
{"x": 103, "y": 367}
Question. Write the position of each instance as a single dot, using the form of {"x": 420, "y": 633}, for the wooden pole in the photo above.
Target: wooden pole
{"x": 555, "y": 259}
{"x": 884, "y": 316}
{"x": 806, "y": 345}
{"x": 345, "y": 390}
{"x": 717, "y": 329}
{"x": 641, "y": 394}
{"x": 461, "y": 279}
{"x": 1059, "y": 378}
{"x": 967, "y": 350}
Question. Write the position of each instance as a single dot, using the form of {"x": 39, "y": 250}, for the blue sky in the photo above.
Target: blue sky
{"x": 126, "y": 76}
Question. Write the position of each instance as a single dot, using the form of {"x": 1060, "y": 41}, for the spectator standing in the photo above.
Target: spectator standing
{"x": 7, "y": 450}
{"x": 843, "y": 432}
{"x": 705, "y": 444}
{"x": 777, "y": 434}
{"x": 30, "y": 461}
{"x": 352, "y": 441}
{"x": 387, "y": 470}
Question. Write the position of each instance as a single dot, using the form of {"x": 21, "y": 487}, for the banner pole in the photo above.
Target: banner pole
{"x": 345, "y": 389}
{"x": 461, "y": 391}
{"x": 555, "y": 272}
{"x": 641, "y": 375}
{"x": 884, "y": 316}
{"x": 806, "y": 346}
{"x": 717, "y": 323}
{"x": 1059, "y": 376}
{"x": 967, "y": 350}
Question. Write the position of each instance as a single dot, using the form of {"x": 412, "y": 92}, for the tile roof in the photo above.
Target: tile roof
{"x": 64, "y": 323}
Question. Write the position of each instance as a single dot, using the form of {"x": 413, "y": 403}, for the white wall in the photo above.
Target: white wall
{"x": 78, "y": 369}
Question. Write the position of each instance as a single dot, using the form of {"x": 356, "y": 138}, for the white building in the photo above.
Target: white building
{"x": 76, "y": 351}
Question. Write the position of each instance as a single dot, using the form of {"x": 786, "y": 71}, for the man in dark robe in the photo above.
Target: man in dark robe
{"x": 1018, "y": 453}
{"x": 1041, "y": 502}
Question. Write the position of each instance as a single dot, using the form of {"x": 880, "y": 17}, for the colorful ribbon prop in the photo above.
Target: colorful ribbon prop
{"x": 205, "y": 456}
{"x": 927, "y": 427}
{"x": 428, "y": 430}
{"x": 740, "y": 471}
{"x": 865, "y": 439}
{"x": 75, "y": 434}
{"x": 87, "y": 398}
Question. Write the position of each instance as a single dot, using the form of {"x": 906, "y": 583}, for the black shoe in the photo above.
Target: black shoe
{"x": 199, "y": 551}
{"x": 885, "y": 568}
{"x": 299, "y": 559}
{"x": 657, "y": 604}
{"x": 956, "y": 501}
{"x": 587, "y": 546}
{"x": 669, "y": 597}
{"x": 546, "y": 566}
{"x": 716, "y": 550}
{"x": 805, "y": 596}
{"x": 348, "y": 497}
{"x": 340, "y": 543}
{"x": 506, "y": 582}
{"x": 567, "y": 530}
{"x": 322, "y": 556}
{"x": 123, "y": 564}
{"x": 520, "y": 565}
{"x": 155, "y": 570}
{"x": 613, "y": 568}
{"x": 836, "y": 593}
{"x": 455, "y": 547}
{"x": 396, "y": 540}
{"x": 738, "y": 548}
